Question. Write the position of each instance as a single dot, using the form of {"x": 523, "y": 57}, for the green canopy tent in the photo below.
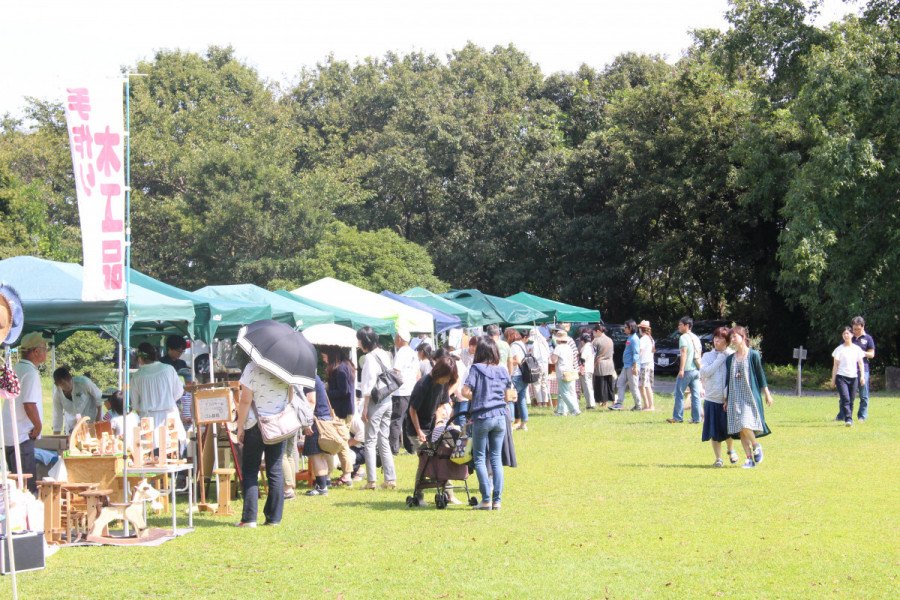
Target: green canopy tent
{"x": 497, "y": 310}
{"x": 470, "y": 317}
{"x": 215, "y": 317}
{"x": 560, "y": 311}
{"x": 345, "y": 317}
{"x": 294, "y": 313}
{"x": 51, "y": 299}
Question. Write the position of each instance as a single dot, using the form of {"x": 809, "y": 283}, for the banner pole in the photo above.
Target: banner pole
{"x": 126, "y": 333}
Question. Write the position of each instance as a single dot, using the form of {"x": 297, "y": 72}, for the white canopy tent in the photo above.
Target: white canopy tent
{"x": 349, "y": 297}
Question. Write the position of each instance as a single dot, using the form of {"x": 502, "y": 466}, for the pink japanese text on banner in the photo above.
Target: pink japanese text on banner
{"x": 95, "y": 120}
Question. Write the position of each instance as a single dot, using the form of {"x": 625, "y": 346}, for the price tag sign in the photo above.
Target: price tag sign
{"x": 213, "y": 406}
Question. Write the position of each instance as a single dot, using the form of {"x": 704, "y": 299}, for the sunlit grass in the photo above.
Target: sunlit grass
{"x": 617, "y": 505}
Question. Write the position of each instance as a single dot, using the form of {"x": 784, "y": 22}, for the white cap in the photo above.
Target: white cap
{"x": 404, "y": 335}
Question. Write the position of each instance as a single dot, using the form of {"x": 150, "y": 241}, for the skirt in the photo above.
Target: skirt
{"x": 604, "y": 389}
{"x": 715, "y": 424}
{"x": 311, "y": 442}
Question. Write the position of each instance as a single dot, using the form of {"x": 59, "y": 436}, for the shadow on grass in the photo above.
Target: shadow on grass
{"x": 662, "y": 466}
{"x": 383, "y": 505}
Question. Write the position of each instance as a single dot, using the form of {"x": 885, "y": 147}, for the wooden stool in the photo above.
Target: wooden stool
{"x": 15, "y": 478}
{"x": 224, "y": 501}
{"x": 51, "y": 496}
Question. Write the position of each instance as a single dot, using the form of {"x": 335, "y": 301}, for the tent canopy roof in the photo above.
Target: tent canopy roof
{"x": 559, "y": 310}
{"x": 495, "y": 309}
{"x": 285, "y": 310}
{"x": 344, "y": 317}
{"x": 51, "y": 299}
{"x": 469, "y": 317}
{"x": 348, "y": 296}
{"x": 442, "y": 321}
{"x": 213, "y": 315}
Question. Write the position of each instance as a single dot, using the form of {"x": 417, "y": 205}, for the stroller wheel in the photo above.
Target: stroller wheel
{"x": 411, "y": 502}
{"x": 473, "y": 501}
{"x": 439, "y": 501}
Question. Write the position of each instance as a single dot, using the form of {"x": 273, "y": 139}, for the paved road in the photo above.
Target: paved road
{"x": 667, "y": 386}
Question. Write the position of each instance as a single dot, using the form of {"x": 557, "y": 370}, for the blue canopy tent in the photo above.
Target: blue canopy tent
{"x": 442, "y": 321}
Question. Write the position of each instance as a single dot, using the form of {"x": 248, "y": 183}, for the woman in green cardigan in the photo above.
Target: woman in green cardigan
{"x": 743, "y": 403}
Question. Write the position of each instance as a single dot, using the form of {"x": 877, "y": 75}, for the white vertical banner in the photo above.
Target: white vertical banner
{"x": 95, "y": 120}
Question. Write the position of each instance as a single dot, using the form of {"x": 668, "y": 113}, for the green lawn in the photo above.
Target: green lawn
{"x": 605, "y": 505}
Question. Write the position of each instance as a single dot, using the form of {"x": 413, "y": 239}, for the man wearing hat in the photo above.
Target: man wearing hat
{"x": 406, "y": 364}
{"x": 29, "y": 407}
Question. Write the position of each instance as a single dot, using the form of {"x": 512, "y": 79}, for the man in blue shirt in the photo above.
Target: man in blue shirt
{"x": 867, "y": 344}
{"x": 688, "y": 372}
{"x": 630, "y": 365}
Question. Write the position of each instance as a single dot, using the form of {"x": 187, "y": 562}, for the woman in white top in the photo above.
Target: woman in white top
{"x": 564, "y": 359}
{"x": 376, "y": 414}
{"x": 848, "y": 373}
{"x": 645, "y": 372}
{"x": 588, "y": 357}
{"x": 155, "y": 389}
{"x": 715, "y": 378}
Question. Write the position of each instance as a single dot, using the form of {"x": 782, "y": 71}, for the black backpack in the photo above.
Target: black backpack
{"x": 531, "y": 369}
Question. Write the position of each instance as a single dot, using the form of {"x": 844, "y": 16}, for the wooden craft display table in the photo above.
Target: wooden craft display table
{"x": 100, "y": 469}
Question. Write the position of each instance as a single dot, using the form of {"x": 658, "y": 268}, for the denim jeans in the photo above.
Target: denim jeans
{"x": 378, "y": 430}
{"x": 458, "y": 409}
{"x": 863, "y": 412}
{"x": 566, "y": 400}
{"x": 254, "y": 449}
{"x": 846, "y": 387}
{"x": 691, "y": 379}
{"x": 488, "y": 434}
{"x": 522, "y": 402}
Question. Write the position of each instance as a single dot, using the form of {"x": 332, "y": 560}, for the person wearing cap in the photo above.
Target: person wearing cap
{"x": 29, "y": 407}
{"x": 645, "y": 373}
{"x": 406, "y": 364}
{"x": 73, "y": 395}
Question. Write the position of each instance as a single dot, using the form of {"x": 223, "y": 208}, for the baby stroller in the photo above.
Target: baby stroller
{"x": 436, "y": 468}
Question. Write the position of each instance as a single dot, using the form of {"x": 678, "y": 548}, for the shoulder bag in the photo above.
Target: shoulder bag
{"x": 277, "y": 428}
{"x": 387, "y": 382}
{"x": 333, "y": 434}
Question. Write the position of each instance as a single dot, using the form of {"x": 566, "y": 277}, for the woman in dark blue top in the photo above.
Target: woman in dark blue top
{"x": 485, "y": 387}
{"x": 341, "y": 386}
{"x": 318, "y": 462}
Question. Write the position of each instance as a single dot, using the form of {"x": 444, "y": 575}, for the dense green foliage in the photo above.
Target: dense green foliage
{"x": 755, "y": 179}
{"x": 88, "y": 354}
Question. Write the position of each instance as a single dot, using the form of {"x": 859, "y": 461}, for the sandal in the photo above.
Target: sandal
{"x": 483, "y": 506}
{"x": 733, "y": 457}
{"x": 718, "y": 463}
{"x": 371, "y": 485}
{"x": 389, "y": 485}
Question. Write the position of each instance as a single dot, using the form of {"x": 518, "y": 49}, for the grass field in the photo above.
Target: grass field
{"x": 605, "y": 505}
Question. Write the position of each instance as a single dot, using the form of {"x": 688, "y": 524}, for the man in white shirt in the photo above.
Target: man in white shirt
{"x": 73, "y": 396}
{"x": 406, "y": 364}
{"x": 29, "y": 408}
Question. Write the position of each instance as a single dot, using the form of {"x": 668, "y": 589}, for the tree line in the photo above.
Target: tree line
{"x": 754, "y": 180}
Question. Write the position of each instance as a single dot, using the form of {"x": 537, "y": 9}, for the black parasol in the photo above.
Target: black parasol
{"x": 281, "y": 351}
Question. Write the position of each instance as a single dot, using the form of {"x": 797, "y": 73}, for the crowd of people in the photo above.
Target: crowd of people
{"x": 480, "y": 388}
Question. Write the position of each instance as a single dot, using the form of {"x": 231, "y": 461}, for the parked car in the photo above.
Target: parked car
{"x": 667, "y": 357}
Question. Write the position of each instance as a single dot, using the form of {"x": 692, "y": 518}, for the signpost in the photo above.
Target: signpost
{"x": 800, "y": 355}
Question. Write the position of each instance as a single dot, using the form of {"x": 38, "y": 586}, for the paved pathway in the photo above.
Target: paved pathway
{"x": 667, "y": 386}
